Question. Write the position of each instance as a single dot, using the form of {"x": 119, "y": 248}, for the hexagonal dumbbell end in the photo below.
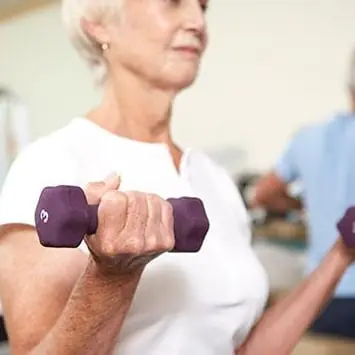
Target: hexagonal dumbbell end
{"x": 190, "y": 223}
{"x": 346, "y": 227}
{"x": 63, "y": 218}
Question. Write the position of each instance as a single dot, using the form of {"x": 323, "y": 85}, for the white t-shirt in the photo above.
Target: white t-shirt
{"x": 196, "y": 304}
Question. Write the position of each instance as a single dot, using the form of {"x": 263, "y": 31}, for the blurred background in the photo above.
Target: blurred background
{"x": 271, "y": 68}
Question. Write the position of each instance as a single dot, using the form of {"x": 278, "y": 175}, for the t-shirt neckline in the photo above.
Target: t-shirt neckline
{"x": 131, "y": 144}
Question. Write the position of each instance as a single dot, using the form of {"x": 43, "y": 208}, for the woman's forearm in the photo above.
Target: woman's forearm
{"x": 92, "y": 317}
{"x": 283, "y": 325}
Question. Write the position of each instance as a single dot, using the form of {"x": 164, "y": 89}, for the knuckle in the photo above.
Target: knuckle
{"x": 137, "y": 205}
{"x": 135, "y": 246}
{"x": 153, "y": 202}
{"x": 169, "y": 241}
{"x": 151, "y": 243}
{"x": 114, "y": 199}
{"x": 154, "y": 198}
{"x": 168, "y": 212}
{"x": 109, "y": 249}
{"x": 93, "y": 190}
{"x": 91, "y": 185}
{"x": 168, "y": 208}
{"x": 133, "y": 195}
{"x": 133, "y": 198}
{"x": 159, "y": 243}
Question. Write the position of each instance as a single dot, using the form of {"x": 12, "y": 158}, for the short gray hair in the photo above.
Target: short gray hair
{"x": 73, "y": 11}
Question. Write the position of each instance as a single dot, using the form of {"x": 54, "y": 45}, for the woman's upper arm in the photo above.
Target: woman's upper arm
{"x": 35, "y": 283}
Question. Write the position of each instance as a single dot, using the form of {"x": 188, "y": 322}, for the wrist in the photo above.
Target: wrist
{"x": 344, "y": 253}
{"x": 114, "y": 266}
{"x": 110, "y": 274}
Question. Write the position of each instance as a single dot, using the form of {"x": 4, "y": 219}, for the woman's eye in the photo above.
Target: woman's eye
{"x": 204, "y": 5}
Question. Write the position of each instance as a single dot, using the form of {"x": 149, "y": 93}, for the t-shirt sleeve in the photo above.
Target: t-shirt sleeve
{"x": 287, "y": 167}
{"x": 35, "y": 168}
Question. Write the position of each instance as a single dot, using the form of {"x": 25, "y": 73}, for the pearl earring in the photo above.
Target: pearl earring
{"x": 104, "y": 46}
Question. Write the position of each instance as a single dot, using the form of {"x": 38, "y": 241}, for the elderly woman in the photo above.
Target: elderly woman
{"x": 120, "y": 292}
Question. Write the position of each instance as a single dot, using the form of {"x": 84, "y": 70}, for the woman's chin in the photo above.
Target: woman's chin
{"x": 181, "y": 80}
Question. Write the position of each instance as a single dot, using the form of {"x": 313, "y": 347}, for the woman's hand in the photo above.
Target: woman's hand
{"x": 134, "y": 227}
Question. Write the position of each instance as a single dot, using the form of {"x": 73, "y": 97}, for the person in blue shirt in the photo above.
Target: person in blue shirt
{"x": 322, "y": 158}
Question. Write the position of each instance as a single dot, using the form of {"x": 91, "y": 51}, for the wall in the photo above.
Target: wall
{"x": 271, "y": 67}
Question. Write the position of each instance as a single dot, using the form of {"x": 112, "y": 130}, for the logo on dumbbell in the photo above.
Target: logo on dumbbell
{"x": 44, "y": 216}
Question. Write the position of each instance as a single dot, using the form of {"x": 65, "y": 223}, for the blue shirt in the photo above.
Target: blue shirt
{"x": 322, "y": 158}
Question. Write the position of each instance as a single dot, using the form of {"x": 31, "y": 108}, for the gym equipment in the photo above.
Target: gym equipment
{"x": 346, "y": 227}
{"x": 63, "y": 217}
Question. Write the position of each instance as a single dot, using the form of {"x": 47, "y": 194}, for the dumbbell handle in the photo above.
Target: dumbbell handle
{"x": 63, "y": 218}
{"x": 92, "y": 215}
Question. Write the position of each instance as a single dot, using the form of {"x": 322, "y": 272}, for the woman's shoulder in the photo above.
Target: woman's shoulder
{"x": 44, "y": 162}
{"x": 49, "y": 151}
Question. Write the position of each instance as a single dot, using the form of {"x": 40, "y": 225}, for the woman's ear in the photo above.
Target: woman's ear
{"x": 95, "y": 30}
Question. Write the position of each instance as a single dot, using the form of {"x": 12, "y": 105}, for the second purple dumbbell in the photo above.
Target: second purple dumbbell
{"x": 63, "y": 218}
{"x": 346, "y": 227}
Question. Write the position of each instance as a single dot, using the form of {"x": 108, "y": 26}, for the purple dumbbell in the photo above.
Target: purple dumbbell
{"x": 63, "y": 217}
{"x": 346, "y": 227}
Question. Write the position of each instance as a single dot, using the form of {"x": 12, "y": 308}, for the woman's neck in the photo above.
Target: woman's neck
{"x": 138, "y": 113}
